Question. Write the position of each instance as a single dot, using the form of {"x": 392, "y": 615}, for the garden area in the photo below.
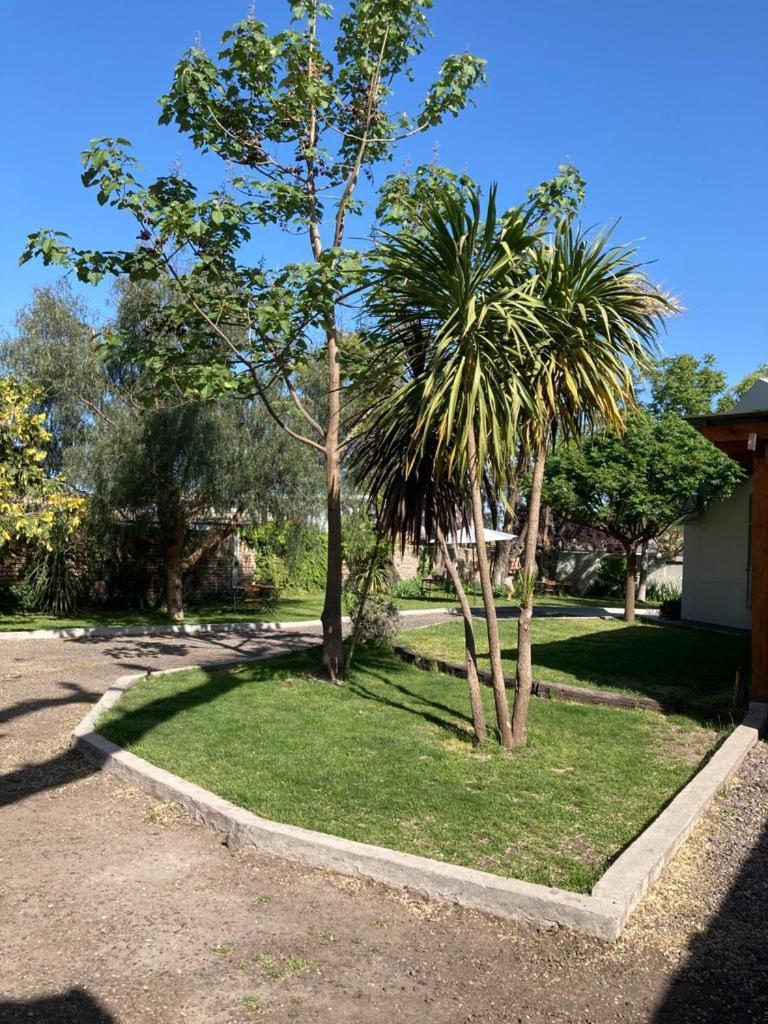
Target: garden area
{"x": 389, "y": 759}
{"x": 698, "y": 666}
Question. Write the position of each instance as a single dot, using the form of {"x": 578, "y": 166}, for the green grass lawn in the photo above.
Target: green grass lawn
{"x": 289, "y": 608}
{"x": 388, "y": 760}
{"x": 650, "y": 660}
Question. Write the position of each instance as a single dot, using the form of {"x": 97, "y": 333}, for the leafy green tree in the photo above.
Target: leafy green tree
{"x": 160, "y": 464}
{"x": 638, "y": 484}
{"x": 740, "y": 389}
{"x": 297, "y": 124}
{"x": 685, "y": 385}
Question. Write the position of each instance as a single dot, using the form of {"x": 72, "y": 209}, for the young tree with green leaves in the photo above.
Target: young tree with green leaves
{"x": 637, "y": 484}
{"x": 299, "y": 123}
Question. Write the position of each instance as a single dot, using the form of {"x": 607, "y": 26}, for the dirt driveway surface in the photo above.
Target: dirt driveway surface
{"x": 116, "y": 908}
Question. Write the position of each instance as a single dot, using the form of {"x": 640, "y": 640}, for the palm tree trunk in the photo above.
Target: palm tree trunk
{"x": 475, "y": 695}
{"x": 629, "y": 591}
{"x": 491, "y": 622}
{"x": 524, "y": 675}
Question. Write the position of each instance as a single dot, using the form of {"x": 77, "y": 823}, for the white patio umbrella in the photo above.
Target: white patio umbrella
{"x": 466, "y": 538}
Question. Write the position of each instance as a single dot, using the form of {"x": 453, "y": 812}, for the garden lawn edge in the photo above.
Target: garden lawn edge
{"x": 563, "y": 691}
{"x": 603, "y": 913}
{"x": 188, "y": 629}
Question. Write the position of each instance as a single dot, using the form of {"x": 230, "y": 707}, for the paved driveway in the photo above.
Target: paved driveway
{"x": 116, "y": 908}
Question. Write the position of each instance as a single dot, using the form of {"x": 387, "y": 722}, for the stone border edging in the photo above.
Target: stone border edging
{"x": 603, "y": 913}
{"x": 563, "y": 691}
{"x": 185, "y": 629}
{"x": 643, "y": 861}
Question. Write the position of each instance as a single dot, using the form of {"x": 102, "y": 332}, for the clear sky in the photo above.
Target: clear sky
{"x": 662, "y": 106}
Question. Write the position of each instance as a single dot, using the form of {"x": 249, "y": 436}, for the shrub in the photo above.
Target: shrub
{"x": 406, "y": 588}
{"x": 378, "y": 622}
{"x": 15, "y": 597}
{"x": 60, "y": 574}
{"x": 663, "y": 592}
{"x": 611, "y": 577}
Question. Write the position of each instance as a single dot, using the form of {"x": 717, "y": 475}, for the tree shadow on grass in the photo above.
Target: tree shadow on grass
{"x": 73, "y": 1007}
{"x": 675, "y": 668}
{"x": 128, "y": 727}
{"x": 724, "y": 977}
{"x": 379, "y": 665}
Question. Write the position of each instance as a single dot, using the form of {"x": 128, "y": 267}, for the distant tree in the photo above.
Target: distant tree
{"x": 31, "y": 503}
{"x": 739, "y": 390}
{"x": 159, "y": 464}
{"x": 685, "y": 385}
{"x": 637, "y": 485}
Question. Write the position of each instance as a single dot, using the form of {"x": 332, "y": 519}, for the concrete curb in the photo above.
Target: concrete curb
{"x": 186, "y": 629}
{"x": 627, "y": 879}
{"x": 564, "y": 691}
{"x": 603, "y": 913}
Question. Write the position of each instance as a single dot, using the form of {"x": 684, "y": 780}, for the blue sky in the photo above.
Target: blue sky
{"x": 662, "y": 106}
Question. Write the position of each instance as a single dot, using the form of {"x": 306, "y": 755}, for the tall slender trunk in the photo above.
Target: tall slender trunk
{"x": 333, "y": 641}
{"x": 475, "y": 694}
{"x": 491, "y": 622}
{"x": 172, "y": 556}
{"x": 524, "y": 675}
{"x": 629, "y": 590}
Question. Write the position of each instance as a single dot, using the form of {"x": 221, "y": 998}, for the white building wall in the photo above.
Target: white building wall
{"x": 716, "y": 583}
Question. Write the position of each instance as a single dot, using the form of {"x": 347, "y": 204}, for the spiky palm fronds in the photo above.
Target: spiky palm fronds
{"x": 457, "y": 308}
{"x": 602, "y": 319}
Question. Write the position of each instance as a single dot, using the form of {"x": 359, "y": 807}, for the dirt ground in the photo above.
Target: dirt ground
{"x": 116, "y": 908}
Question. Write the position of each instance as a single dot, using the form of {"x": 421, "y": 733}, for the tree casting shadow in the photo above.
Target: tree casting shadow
{"x": 74, "y": 1007}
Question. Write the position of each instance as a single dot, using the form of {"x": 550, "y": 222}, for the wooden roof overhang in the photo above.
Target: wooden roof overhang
{"x": 741, "y": 435}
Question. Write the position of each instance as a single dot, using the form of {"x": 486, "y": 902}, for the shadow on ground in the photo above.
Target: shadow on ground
{"x": 725, "y": 975}
{"x": 74, "y": 1007}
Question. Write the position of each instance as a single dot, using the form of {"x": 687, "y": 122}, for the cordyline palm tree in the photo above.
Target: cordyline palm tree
{"x": 602, "y": 318}
{"x": 414, "y": 504}
{"x": 463, "y": 280}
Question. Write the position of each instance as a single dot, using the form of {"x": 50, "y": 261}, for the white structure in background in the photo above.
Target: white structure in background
{"x": 717, "y": 547}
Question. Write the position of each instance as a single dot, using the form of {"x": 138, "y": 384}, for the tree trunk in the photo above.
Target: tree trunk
{"x": 174, "y": 575}
{"x": 491, "y": 622}
{"x": 629, "y": 593}
{"x": 524, "y": 675}
{"x": 644, "y": 572}
{"x": 333, "y": 641}
{"x": 475, "y": 695}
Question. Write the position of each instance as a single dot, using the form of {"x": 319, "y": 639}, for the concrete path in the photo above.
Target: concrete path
{"x": 115, "y": 908}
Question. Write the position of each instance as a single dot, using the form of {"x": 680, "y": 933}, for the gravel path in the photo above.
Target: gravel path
{"x": 116, "y": 908}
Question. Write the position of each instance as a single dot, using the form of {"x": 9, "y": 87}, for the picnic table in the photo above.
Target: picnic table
{"x": 435, "y": 585}
{"x": 262, "y": 596}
